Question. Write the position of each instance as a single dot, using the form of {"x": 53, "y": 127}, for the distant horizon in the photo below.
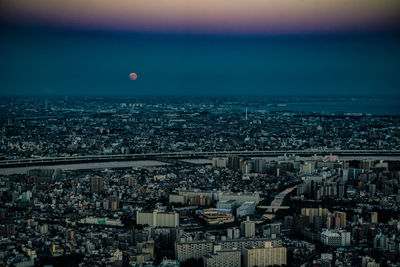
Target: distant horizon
{"x": 202, "y": 95}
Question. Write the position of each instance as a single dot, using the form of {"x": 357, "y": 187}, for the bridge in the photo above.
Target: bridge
{"x": 187, "y": 155}
{"x": 274, "y": 207}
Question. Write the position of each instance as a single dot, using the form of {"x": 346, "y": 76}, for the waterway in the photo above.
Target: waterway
{"x": 87, "y": 166}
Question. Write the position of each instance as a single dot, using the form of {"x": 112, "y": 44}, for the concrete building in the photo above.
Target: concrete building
{"x": 226, "y": 204}
{"x": 223, "y": 258}
{"x": 247, "y": 208}
{"x": 374, "y": 217}
{"x": 219, "y": 162}
{"x": 233, "y": 233}
{"x": 243, "y": 243}
{"x": 336, "y": 238}
{"x": 248, "y": 228}
{"x": 311, "y": 212}
{"x": 182, "y": 199}
{"x": 158, "y": 219}
{"x": 341, "y": 219}
{"x": 192, "y": 250}
{"x": 265, "y": 256}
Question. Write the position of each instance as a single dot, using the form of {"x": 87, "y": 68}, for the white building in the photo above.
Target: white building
{"x": 158, "y": 219}
{"x": 265, "y": 256}
{"x": 336, "y": 238}
{"x": 248, "y": 228}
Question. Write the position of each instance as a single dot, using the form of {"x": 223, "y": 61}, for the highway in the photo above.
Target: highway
{"x": 187, "y": 155}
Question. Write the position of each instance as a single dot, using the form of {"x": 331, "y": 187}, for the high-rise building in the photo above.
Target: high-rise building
{"x": 96, "y": 185}
{"x": 111, "y": 203}
{"x": 311, "y": 212}
{"x": 265, "y": 256}
{"x": 340, "y": 221}
{"x": 233, "y": 233}
{"x": 234, "y": 163}
{"x": 248, "y": 228}
{"x": 259, "y": 165}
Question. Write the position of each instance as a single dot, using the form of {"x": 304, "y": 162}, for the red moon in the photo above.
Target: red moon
{"x": 133, "y": 76}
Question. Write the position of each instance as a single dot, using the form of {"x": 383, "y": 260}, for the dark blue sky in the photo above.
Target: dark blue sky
{"x": 54, "y": 61}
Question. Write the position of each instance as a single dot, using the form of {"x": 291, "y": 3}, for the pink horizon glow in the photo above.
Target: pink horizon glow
{"x": 209, "y": 16}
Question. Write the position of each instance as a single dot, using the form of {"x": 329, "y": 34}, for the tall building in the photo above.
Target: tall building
{"x": 111, "y": 203}
{"x": 341, "y": 219}
{"x": 96, "y": 185}
{"x": 234, "y": 162}
{"x": 248, "y": 228}
{"x": 259, "y": 165}
{"x": 233, "y": 233}
{"x": 311, "y": 212}
{"x": 265, "y": 256}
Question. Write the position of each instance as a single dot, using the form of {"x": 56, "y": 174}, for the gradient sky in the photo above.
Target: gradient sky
{"x": 200, "y": 47}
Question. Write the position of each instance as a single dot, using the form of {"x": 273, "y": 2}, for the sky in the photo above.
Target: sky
{"x": 301, "y": 47}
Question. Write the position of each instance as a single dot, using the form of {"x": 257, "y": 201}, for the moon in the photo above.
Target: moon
{"x": 132, "y": 76}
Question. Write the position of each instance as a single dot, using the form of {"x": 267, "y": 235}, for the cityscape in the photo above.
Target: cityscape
{"x": 139, "y": 181}
{"x": 213, "y": 133}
